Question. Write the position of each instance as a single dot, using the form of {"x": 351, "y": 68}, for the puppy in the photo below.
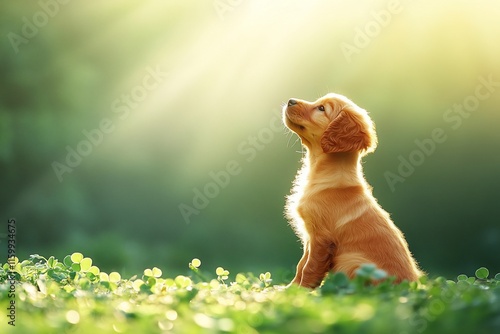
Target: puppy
{"x": 331, "y": 206}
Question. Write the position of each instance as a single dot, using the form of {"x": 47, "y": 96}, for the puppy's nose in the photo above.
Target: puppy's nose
{"x": 291, "y": 102}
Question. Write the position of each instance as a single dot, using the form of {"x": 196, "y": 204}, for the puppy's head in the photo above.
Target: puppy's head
{"x": 333, "y": 123}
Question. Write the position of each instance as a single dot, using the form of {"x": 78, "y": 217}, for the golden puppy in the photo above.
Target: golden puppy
{"x": 331, "y": 206}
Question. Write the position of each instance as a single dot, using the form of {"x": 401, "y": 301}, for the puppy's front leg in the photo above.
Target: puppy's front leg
{"x": 318, "y": 264}
{"x": 301, "y": 264}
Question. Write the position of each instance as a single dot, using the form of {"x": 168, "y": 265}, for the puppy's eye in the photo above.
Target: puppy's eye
{"x": 321, "y": 108}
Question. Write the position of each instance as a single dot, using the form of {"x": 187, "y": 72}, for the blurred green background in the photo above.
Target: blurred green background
{"x": 221, "y": 72}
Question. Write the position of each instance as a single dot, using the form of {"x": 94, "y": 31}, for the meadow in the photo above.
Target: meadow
{"x": 45, "y": 295}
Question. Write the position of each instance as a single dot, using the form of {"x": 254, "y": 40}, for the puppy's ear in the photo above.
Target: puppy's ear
{"x": 349, "y": 132}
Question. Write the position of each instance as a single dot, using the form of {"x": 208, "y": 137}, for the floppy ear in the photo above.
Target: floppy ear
{"x": 349, "y": 132}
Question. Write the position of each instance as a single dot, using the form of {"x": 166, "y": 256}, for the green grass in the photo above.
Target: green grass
{"x": 73, "y": 296}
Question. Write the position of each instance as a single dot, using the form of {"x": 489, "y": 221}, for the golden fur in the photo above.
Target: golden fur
{"x": 331, "y": 207}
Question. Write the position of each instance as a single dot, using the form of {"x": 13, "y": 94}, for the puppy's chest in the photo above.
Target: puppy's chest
{"x": 330, "y": 209}
{"x": 316, "y": 212}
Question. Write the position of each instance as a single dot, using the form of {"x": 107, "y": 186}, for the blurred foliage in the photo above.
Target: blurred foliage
{"x": 227, "y": 71}
{"x": 74, "y": 296}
